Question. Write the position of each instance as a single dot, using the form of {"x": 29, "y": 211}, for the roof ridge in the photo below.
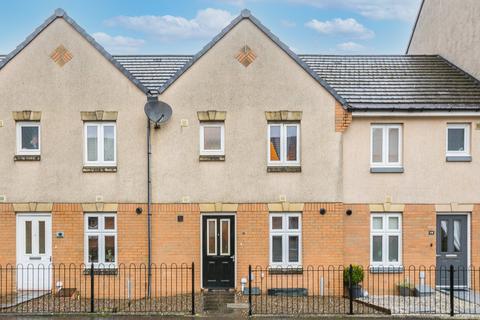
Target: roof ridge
{"x": 60, "y": 13}
{"x": 246, "y": 14}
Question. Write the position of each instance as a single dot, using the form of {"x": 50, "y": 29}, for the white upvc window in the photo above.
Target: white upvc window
{"x": 100, "y": 144}
{"x": 386, "y": 145}
{"x": 28, "y": 138}
{"x": 212, "y": 138}
{"x": 458, "y": 139}
{"x": 386, "y": 239}
{"x": 101, "y": 240}
{"x": 283, "y": 144}
{"x": 285, "y": 240}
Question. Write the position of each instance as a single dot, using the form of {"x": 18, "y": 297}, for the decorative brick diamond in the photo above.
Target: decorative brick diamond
{"x": 61, "y": 55}
{"x": 246, "y": 56}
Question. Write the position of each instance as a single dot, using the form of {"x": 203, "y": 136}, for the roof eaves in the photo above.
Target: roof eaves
{"x": 60, "y": 13}
{"x": 246, "y": 14}
{"x": 415, "y": 108}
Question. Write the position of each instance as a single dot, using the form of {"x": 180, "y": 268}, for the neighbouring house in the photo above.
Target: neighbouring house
{"x": 450, "y": 28}
{"x": 270, "y": 157}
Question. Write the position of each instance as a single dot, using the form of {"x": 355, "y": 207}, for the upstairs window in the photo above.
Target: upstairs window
{"x": 212, "y": 138}
{"x": 458, "y": 139}
{"x": 28, "y": 138}
{"x": 285, "y": 239}
{"x": 284, "y": 144}
{"x": 386, "y": 145}
{"x": 101, "y": 240}
{"x": 100, "y": 144}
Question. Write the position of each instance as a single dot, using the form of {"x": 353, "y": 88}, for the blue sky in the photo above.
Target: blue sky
{"x": 185, "y": 26}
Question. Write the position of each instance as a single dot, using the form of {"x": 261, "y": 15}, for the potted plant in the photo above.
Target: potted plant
{"x": 356, "y": 279}
{"x": 405, "y": 288}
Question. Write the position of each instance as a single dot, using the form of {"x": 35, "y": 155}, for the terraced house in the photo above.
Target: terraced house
{"x": 270, "y": 158}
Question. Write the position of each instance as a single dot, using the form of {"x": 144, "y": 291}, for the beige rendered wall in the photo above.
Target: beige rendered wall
{"x": 450, "y": 28}
{"x": 33, "y": 81}
{"x": 272, "y": 82}
{"x": 428, "y": 178}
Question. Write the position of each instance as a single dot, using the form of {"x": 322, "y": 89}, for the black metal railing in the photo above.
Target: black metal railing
{"x": 101, "y": 289}
{"x": 363, "y": 290}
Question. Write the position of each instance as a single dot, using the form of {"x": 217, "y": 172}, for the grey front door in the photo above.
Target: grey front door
{"x": 452, "y": 249}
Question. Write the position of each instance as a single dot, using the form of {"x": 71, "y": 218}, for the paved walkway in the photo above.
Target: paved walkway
{"x": 221, "y": 317}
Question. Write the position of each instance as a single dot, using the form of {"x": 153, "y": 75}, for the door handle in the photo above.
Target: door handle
{"x": 233, "y": 258}
{"x": 451, "y": 256}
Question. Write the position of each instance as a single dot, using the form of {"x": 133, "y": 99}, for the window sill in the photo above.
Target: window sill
{"x": 285, "y": 270}
{"x": 211, "y": 158}
{"x": 101, "y": 271}
{"x": 87, "y": 169}
{"x": 386, "y": 170}
{"x": 284, "y": 169}
{"x": 459, "y": 159}
{"x": 386, "y": 269}
{"x": 30, "y": 157}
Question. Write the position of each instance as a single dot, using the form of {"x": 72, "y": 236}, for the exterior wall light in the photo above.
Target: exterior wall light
{"x": 139, "y": 210}
{"x": 349, "y": 212}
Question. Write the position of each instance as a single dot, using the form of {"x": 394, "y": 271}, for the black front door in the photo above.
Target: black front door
{"x": 218, "y": 234}
{"x": 452, "y": 249}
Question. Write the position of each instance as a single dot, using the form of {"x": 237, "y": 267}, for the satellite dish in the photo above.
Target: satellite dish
{"x": 158, "y": 111}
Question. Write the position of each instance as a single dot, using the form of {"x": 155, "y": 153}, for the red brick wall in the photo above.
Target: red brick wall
{"x": 7, "y": 234}
{"x": 330, "y": 239}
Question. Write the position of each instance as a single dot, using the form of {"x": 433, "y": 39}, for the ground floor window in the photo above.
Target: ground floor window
{"x": 101, "y": 239}
{"x": 285, "y": 239}
{"x": 386, "y": 239}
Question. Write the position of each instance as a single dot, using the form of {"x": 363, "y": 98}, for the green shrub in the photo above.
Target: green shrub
{"x": 357, "y": 274}
{"x": 406, "y": 284}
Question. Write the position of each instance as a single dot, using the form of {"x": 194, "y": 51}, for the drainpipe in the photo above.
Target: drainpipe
{"x": 157, "y": 112}
{"x": 149, "y": 210}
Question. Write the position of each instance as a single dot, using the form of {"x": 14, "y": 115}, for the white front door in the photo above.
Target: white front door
{"x": 34, "y": 251}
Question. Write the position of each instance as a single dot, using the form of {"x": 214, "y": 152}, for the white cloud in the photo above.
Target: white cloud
{"x": 207, "y": 23}
{"x": 375, "y": 9}
{"x": 119, "y": 44}
{"x": 350, "y": 46}
{"x": 346, "y": 27}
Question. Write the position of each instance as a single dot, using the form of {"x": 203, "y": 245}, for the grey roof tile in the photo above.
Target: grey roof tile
{"x": 358, "y": 82}
{"x": 397, "y": 82}
{"x": 153, "y": 71}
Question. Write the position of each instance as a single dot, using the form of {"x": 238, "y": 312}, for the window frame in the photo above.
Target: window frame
{"x": 385, "y": 233}
{"x": 100, "y": 144}
{"x": 19, "y": 126}
{"x": 101, "y": 233}
{"x": 283, "y": 144}
{"x": 205, "y": 152}
{"x": 285, "y": 233}
{"x": 385, "y": 145}
{"x": 466, "y": 137}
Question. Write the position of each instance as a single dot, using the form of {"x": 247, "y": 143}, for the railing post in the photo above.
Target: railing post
{"x": 193, "y": 288}
{"x": 250, "y": 290}
{"x": 92, "y": 288}
{"x": 350, "y": 289}
{"x": 452, "y": 312}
